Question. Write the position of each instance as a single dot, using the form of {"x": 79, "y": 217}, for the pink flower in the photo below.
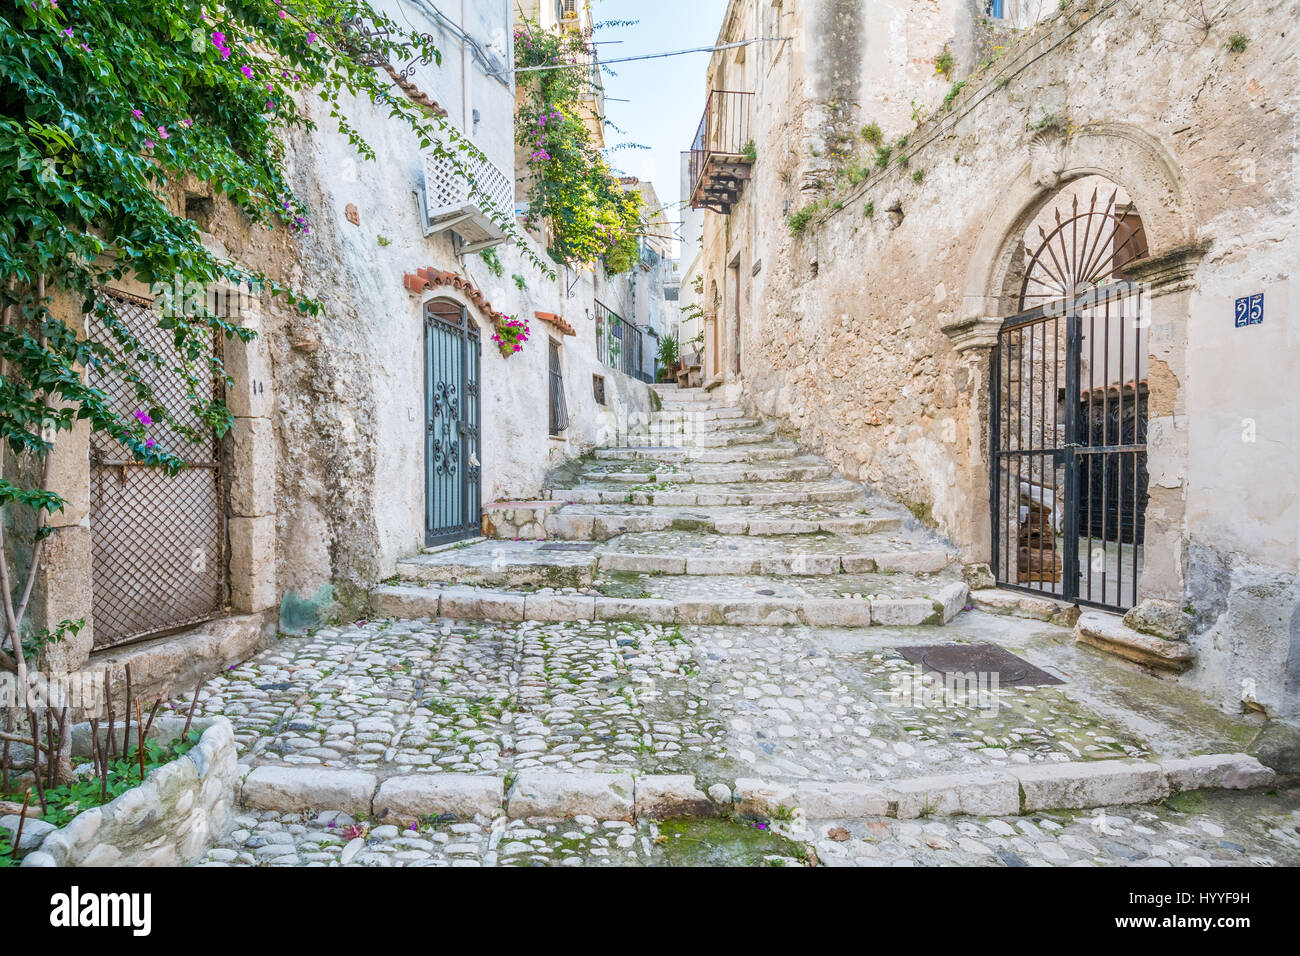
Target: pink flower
{"x": 162, "y": 133}
{"x": 187, "y": 122}
{"x": 149, "y": 144}
{"x": 68, "y": 32}
{"x": 246, "y": 70}
{"x": 150, "y": 443}
{"x": 143, "y": 417}
{"x": 136, "y": 113}
{"x": 311, "y": 38}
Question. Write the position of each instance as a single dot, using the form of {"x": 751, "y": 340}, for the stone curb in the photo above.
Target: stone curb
{"x": 1078, "y": 785}
{"x": 468, "y": 603}
{"x": 568, "y": 525}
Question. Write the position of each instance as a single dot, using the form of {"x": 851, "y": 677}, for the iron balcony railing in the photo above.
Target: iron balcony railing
{"x": 619, "y": 343}
{"x": 724, "y": 135}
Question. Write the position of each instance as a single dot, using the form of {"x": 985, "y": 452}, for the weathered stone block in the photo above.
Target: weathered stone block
{"x": 1079, "y": 785}
{"x": 559, "y": 793}
{"x": 820, "y": 801}
{"x": 979, "y": 793}
{"x": 409, "y": 797}
{"x": 659, "y": 797}
{"x": 559, "y": 607}
{"x": 252, "y": 485}
{"x": 252, "y": 563}
{"x": 1216, "y": 771}
{"x": 652, "y": 610}
{"x": 836, "y": 612}
{"x": 291, "y": 789}
{"x": 903, "y": 612}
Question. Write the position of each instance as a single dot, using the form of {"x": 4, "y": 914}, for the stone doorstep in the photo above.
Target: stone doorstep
{"x": 1019, "y": 604}
{"x": 1108, "y": 633}
{"x": 469, "y": 603}
{"x": 1079, "y": 785}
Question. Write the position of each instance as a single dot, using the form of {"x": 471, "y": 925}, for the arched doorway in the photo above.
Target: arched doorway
{"x": 451, "y": 401}
{"x": 1069, "y": 404}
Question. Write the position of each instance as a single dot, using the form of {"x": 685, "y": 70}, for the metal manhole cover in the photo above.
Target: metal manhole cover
{"x": 979, "y": 659}
{"x": 567, "y": 546}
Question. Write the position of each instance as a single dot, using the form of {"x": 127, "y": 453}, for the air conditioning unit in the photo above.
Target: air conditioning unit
{"x": 448, "y": 202}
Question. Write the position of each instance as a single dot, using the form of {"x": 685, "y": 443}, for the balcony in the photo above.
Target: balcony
{"x": 619, "y": 343}
{"x": 722, "y": 152}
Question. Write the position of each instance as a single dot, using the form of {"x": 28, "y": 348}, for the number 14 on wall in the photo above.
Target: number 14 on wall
{"x": 1250, "y": 310}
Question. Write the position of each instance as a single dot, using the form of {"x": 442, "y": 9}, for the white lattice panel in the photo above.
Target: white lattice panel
{"x": 451, "y": 204}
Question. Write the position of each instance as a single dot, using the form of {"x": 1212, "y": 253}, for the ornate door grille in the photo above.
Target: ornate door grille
{"x": 1069, "y": 415}
{"x": 452, "y": 470}
{"x": 157, "y": 540}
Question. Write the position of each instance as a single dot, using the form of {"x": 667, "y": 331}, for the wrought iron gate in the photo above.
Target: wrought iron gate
{"x": 1069, "y": 416}
{"x": 157, "y": 540}
{"x": 451, "y": 374}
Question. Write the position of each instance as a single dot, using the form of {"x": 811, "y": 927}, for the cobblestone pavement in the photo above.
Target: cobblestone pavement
{"x": 1199, "y": 829}
{"x": 718, "y": 702}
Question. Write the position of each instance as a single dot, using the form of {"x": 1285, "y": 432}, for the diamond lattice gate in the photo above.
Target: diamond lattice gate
{"x": 157, "y": 540}
{"x": 452, "y": 470}
{"x": 1069, "y": 415}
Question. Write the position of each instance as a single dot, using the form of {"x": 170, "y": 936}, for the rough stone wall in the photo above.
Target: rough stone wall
{"x": 171, "y": 819}
{"x": 846, "y": 342}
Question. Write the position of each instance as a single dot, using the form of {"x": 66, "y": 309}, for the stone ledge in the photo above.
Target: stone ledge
{"x": 1107, "y": 633}
{"x": 626, "y": 795}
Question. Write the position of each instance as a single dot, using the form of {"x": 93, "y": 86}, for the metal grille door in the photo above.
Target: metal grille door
{"x": 452, "y": 470}
{"x": 1069, "y": 416}
{"x": 158, "y": 554}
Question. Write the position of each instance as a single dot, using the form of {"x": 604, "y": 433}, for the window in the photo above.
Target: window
{"x": 993, "y": 8}
{"x": 559, "y": 419}
{"x": 598, "y": 388}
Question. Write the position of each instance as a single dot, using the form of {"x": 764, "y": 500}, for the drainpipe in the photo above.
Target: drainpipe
{"x": 467, "y": 117}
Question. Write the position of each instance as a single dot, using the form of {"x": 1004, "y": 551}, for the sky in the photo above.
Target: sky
{"x": 666, "y": 95}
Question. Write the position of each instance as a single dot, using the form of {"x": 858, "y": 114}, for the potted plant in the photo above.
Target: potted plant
{"x": 668, "y": 358}
{"x": 511, "y": 334}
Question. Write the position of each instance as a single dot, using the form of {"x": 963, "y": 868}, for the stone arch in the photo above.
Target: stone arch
{"x": 1123, "y": 154}
{"x": 1138, "y": 163}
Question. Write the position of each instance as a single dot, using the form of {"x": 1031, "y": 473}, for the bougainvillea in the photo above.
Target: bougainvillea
{"x": 111, "y": 110}
{"x": 571, "y": 187}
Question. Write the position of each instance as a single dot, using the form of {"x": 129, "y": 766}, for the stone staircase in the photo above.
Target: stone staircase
{"x": 703, "y": 516}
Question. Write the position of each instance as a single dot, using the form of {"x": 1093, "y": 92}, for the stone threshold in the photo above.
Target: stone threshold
{"x": 1029, "y": 606}
{"x": 1076, "y": 785}
{"x": 470, "y": 603}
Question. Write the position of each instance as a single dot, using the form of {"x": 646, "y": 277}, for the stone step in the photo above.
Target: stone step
{"x": 575, "y": 565}
{"x": 713, "y": 474}
{"x": 677, "y": 424}
{"x": 893, "y": 600}
{"x": 705, "y": 495}
{"x": 601, "y": 522}
{"x": 672, "y": 393}
{"x": 767, "y": 451}
{"x": 679, "y": 552}
{"x": 698, "y": 412}
{"x": 720, "y": 439}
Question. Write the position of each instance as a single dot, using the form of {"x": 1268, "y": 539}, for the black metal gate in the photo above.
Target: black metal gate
{"x": 157, "y": 540}
{"x": 1069, "y": 416}
{"x": 452, "y": 470}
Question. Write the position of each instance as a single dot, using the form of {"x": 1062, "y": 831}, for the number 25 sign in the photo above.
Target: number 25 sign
{"x": 1249, "y": 310}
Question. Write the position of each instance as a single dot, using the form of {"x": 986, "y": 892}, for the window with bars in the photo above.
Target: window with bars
{"x": 559, "y": 418}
